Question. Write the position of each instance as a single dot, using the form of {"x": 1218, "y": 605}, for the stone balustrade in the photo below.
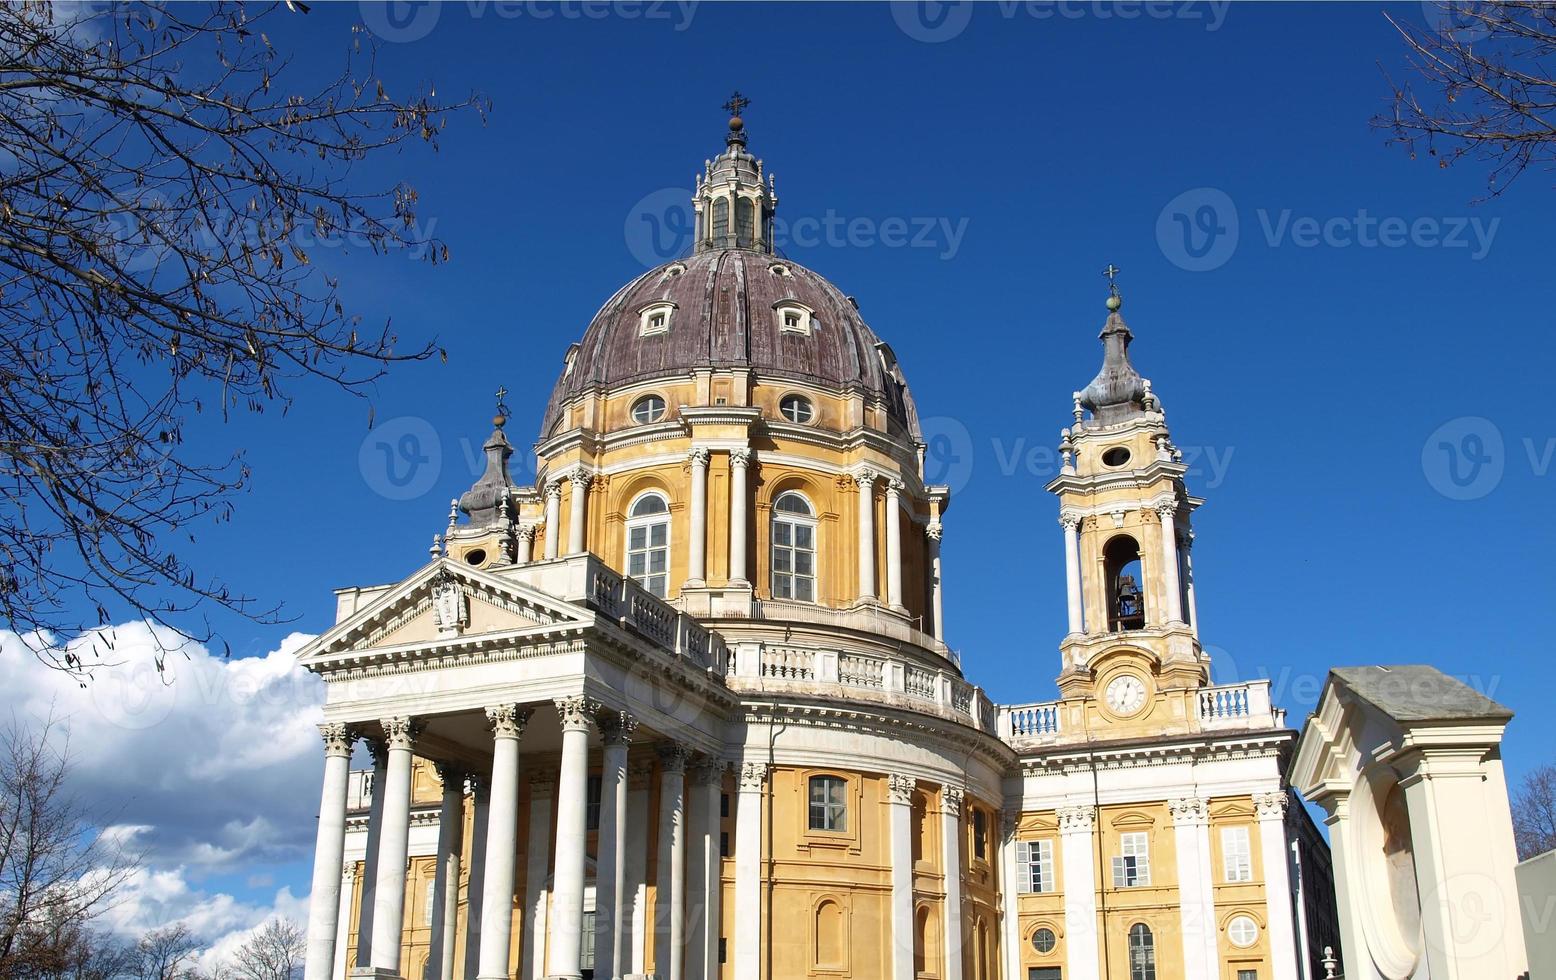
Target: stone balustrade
{"x": 1227, "y": 707}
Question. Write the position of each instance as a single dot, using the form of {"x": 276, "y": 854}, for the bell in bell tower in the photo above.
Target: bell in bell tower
{"x": 734, "y": 207}
{"x": 1125, "y": 512}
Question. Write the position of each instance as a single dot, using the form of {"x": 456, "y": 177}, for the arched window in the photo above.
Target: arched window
{"x": 830, "y": 936}
{"x": 745, "y": 221}
{"x": 648, "y": 542}
{"x": 794, "y": 548}
{"x": 1126, "y": 598}
{"x": 720, "y": 219}
{"x": 1142, "y": 953}
{"x": 926, "y": 941}
{"x": 828, "y": 803}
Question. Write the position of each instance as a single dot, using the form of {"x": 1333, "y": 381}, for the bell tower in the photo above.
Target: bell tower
{"x": 1126, "y": 517}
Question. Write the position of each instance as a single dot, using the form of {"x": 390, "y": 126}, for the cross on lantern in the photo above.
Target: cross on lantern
{"x": 736, "y": 104}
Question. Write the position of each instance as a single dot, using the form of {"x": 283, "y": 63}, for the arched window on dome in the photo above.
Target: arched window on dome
{"x": 745, "y": 222}
{"x": 794, "y": 548}
{"x": 720, "y": 230}
{"x": 648, "y": 542}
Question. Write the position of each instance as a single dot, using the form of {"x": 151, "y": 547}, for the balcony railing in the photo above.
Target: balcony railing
{"x": 1225, "y": 707}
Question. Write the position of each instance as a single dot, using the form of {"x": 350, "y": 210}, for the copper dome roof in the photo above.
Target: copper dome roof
{"x": 724, "y": 316}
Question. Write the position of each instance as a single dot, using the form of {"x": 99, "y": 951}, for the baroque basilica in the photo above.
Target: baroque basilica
{"x": 684, "y": 708}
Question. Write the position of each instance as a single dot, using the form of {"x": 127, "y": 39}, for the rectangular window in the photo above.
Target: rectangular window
{"x": 1247, "y": 975}
{"x": 828, "y": 804}
{"x": 980, "y": 829}
{"x": 1236, "y": 852}
{"x": 724, "y": 843}
{"x": 723, "y": 806}
{"x": 1037, "y": 858}
{"x": 592, "y": 811}
{"x": 1132, "y": 867}
{"x": 586, "y": 944}
{"x": 1044, "y": 973}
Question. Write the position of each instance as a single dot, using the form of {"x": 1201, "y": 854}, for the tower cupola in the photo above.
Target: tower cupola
{"x": 734, "y": 200}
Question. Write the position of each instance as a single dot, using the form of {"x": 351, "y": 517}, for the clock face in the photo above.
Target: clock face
{"x": 1126, "y": 694}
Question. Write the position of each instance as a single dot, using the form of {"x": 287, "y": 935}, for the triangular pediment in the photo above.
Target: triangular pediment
{"x": 420, "y": 609}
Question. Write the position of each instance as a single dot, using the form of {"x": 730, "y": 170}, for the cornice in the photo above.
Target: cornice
{"x": 884, "y": 722}
{"x": 1071, "y": 759}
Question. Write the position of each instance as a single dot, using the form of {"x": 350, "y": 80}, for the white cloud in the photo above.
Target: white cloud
{"x": 211, "y": 770}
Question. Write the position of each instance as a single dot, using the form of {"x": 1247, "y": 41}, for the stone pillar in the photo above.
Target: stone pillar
{"x": 526, "y": 533}
{"x": 697, "y": 550}
{"x": 865, "y": 480}
{"x": 702, "y": 944}
{"x": 375, "y": 829}
{"x": 553, "y": 519}
{"x": 1080, "y": 895}
{"x": 932, "y": 535}
{"x": 899, "y": 790}
{"x": 739, "y": 509}
{"x": 670, "y": 913}
{"x": 638, "y": 776}
{"x": 1170, "y": 562}
{"x": 1072, "y": 571}
{"x": 894, "y": 544}
{"x": 502, "y": 827}
{"x": 572, "y": 804}
{"x": 1196, "y": 886}
{"x": 610, "y": 867}
{"x": 1188, "y": 571}
{"x": 348, "y": 883}
{"x": 749, "y": 913}
{"x": 1270, "y": 810}
{"x": 951, "y": 861}
{"x": 445, "y": 887}
{"x": 393, "y": 847}
{"x": 537, "y": 865}
{"x": 329, "y": 853}
{"x": 578, "y": 512}
{"x": 1010, "y": 918}
{"x": 475, "y": 888}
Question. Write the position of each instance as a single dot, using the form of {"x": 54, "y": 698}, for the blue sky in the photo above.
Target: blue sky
{"x": 1361, "y": 372}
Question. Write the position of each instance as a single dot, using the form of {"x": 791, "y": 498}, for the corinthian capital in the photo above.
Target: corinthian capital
{"x": 618, "y": 728}
{"x": 554, "y": 489}
{"x": 698, "y": 456}
{"x": 673, "y": 757}
{"x": 740, "y": 457}
{"x": 865, "y": 477}
{"x": 901, "y": 787}
{"x": 951, "y": 800}
{"x": 338, "y": 739}
{"x": 933, "y": 530}
{"x": 752, "y": 776}
{"x": 580, "y": 478}
{"x": 1070, "y": 521}
{"x": 1076, "y": 819}
{"x": 400, "y": 732}
{"x": 526, "y": 530}
{"x": 507, "y": 720}
{"x": 577, "y": 713}
{"x": 1270, "y": 806}
{"x": 1190, "y": 811}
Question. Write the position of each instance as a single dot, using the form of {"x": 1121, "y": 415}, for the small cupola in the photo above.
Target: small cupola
{"x": 1118, "y": 392}
{"x": 734, "y": 205}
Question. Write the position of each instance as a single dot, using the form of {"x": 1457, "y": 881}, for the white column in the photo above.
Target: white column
{"x": 610, "y": 866}
{"x": 1072, "y": 571}
{"x": 393, "y": 847}
{"x": 951, "y": 861}
{"x": 526, "y": 533}
{"x": 502, "y": 828}
{"x": 894, "y": 544}
{"x": 348, "y": 882}
{"x": 1080, "y": 891}
{"x": 865, "y": 479}
{"x": 375, "y": 829}
{"x": 1196, "y": 888}
{"x": 445, "y": 887}
{"x": 748, "y": 871}
{"x": 1270, "y": 810}
{"x": 553, "y": 519}
{"x": 329, "y": 853}
{"x": 638, "y": 776}
{"x": 1188, "y": 585}
{"x": 669, "y": 915}
{"x": 899, "y": 790}
{"x": 578, "y": 512}
{"x": 480, "y": 820}
{"x": 932, "y": 535}
{"x": 702, "y": 861}
{"x": 537, "y": 865}
{"x": 739, "y": 508}
{"x": 1170, "y": 562}
{"x": 1010, "y": 918}
{"x": 697, "y": 552}
{"x": 572, "y": 804}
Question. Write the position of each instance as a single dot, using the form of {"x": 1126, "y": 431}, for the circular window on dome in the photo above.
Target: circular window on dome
{"x": 1242, "y": 931}
{"x": 796, "y": 408}
{"x": 1044, "y": 940}
{"x": 649, "y": 408}
{"x": 1117, "y": 456}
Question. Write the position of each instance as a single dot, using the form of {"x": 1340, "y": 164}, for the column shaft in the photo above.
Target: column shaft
{"x": 1080, "y": 895}
{"x": 526, "y": 544}
{"x": 739, "y": 508}
{"x": 1271, "y": 811}
{"x": 578, "y": 513}
{"x": 670, "y": 902}
{"x": 1010, "y": 918}
{"x": 1196, "y": 888}
{"x": 502, "y": 828}
{"x": 610, "y": 868}
{"x": 894, "y": 543}
{"x": 900, "y": 790}
{"x": 936, "y": 590}
{"x": 375, "y": 829}
{"x": 445, "y": 887}
{"x": 697, "y": 551}
{"x": 1170, "y": 566}
{"x": 329, "y": 854}
{"x": 537, "y": 855}
{"x": 553, "y": 519}
{"x": 1072, "y": 572}
{"x": 951, "y": 860}
{"x": 567, "y": 880}
{"x": 341, "y": 969}
{"x": 865, "y": 480}
{"x": 480, "y": 821}
{"x": 393, "y": 848}
{"x": 702, "y": 945}
{"x": 749, "y": 913}
{"x": 636, "y": 863}
{"x": 1188, "y": 584}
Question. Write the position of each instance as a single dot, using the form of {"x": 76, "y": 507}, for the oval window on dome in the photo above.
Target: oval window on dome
{"x": 797, "y": 409}
{"x": 649, "y": 408}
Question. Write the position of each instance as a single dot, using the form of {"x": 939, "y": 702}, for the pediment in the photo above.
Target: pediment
{"x": 418, "y": 610}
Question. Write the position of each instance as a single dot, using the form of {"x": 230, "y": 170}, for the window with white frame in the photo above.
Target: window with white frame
{"x": 794, "y": 548}
{"x": 586, "y": 944}
{"x": 793, "y": 318}
{"x": 649, "y": 408}
{"x": 1132, "y": 866}
{"x": 648, "y": 543}
{"x": 1242, "y": 931}
{"x": 828, "y": 803}
{"x": 1037, "y": 858}
{"x": 655, "y": 319}
{"x": 1237, "y": 854}
{"x": 1142, "y": 953}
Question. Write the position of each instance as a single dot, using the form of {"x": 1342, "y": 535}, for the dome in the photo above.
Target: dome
{"x": 724, "y": 312}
